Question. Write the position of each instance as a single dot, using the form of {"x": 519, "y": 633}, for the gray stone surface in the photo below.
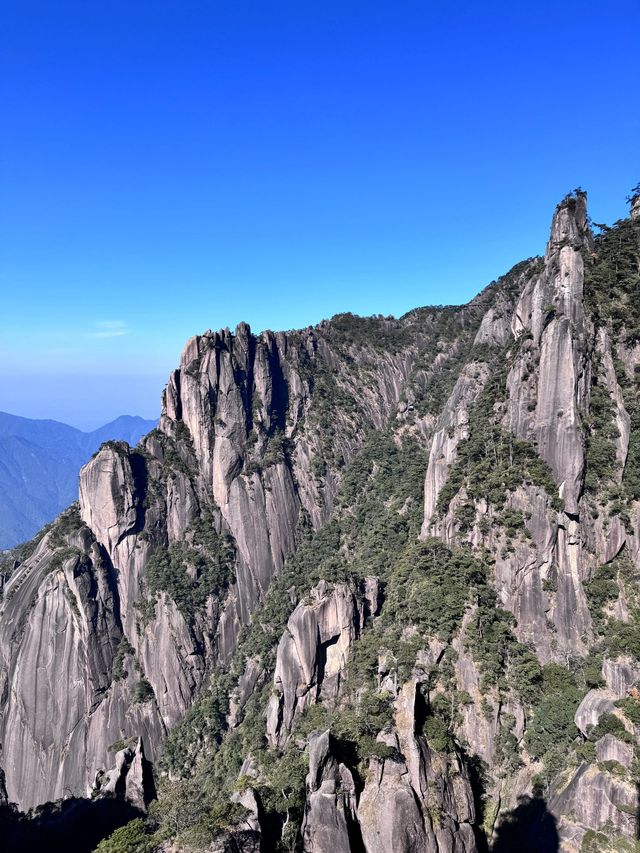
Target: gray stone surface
{"x": 312, "y": 654}
{"x": 452, "y": 428}
{"x": 330, "y": 809}
{"x": 594, "y": 799}
{"x": 593, "y": 706}
{"x": 609, "y": 748}
{"x": 62, "y": 708}
{"x": 402, "y": 793}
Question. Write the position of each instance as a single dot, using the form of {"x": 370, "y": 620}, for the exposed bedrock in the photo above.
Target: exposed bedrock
{"x": 404, "y": 792}
{"x": 313, "y": 652}
{"x": 414, "y": 800}
{"x": 220, "y": 454}
{"x": 545, "y": 407}
{"x": 330, "y": 811}
{"x": 451, "y": 429}
{"x": 62, "y": 706}
{"x": 120, "y": 617}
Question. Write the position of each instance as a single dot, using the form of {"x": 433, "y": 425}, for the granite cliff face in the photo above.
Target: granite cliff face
{"x": 225, "y": 452}
{"x": 370, "y": 585}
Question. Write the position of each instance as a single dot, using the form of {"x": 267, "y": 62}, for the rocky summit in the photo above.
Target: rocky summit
{"x": 369, "y": 587}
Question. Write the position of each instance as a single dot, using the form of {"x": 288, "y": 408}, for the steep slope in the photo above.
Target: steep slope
{"x": 39, "y": 465}
{"x": 369, "y": 586}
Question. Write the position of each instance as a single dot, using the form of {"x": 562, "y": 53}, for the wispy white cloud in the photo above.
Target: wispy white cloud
{"x": 108, "y": 329}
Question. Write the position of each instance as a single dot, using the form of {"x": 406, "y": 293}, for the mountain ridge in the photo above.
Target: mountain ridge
{"x": 370, "y": 585}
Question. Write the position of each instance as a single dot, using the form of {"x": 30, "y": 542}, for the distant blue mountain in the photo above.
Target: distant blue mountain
{"x": 39, "y": 465}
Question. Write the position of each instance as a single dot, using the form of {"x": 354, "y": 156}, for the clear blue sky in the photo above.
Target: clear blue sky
{"x": 168, "y": 167}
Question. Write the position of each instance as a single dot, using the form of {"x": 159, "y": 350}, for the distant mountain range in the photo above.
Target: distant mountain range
{"x": 39, "y": 465}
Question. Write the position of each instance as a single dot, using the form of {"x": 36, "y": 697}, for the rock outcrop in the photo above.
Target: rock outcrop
{"x": 540, "y": 575}
{"x": 313, "y": 652}
{"x": 415, "y": 799}
{"x": 452, "y": 427}
{"x": 545, "y": 407}
{"x": 330, "y": 811}
{"x": 595, "y": 799}
{"x": 225, "y": 452}
{"x": 63, "y": 708}
{"x": 620, "y": 677}
{"x": 130, "y": 778}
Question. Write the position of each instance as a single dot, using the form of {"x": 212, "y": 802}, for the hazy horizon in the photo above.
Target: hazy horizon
{"x": 89, "y": 427}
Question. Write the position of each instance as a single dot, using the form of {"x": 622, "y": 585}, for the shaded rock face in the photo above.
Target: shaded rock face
{"x": 477, "y": 729}
{"x": 452, "y": 427}
{"x": 594, "y": 799}
{"x": 62, "y": 708}
{"x": 244, "y": 400}
{"x": 593, "y": 706}
{"x": 609, "y": 748}
{"x": 495, "y": 328}
{"x": 605, "y": 350}
{"x": 224, "y": 385}
{"x": 111, "y": 496}
{"x": 540, "y": 576}
{"x": 620, "y": 676}
{"x": 129, "y": 779}
{"x": 545, "y": 407}
{"x": 4, "y": 799}
{"x": 237, "y": 391}
{"x": 250, "y": 678}
{"x": 547, "y": 391}
{"x": 73, "y": 825}
{"x": 597, "y": 796}
{"x": 397, "y": 807}
{"x": 389, "y": 811}
{"x": 241, "y": 841}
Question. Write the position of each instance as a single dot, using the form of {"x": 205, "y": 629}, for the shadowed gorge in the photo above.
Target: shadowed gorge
{"x": 529, "y": 827}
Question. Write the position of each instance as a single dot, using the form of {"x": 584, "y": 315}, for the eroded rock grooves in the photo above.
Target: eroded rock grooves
{"x": 372, "y": 584}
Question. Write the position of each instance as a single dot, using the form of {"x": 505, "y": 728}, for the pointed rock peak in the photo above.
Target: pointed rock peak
{"x": 569, "y": 225}
{"x": 110, "y": 493}
{"x": 243, "y": 342}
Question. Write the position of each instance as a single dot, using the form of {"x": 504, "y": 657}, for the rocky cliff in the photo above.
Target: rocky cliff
{"x": 370, "y": 585}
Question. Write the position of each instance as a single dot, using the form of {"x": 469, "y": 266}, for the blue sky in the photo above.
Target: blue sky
{"x": 172, "y": 167}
